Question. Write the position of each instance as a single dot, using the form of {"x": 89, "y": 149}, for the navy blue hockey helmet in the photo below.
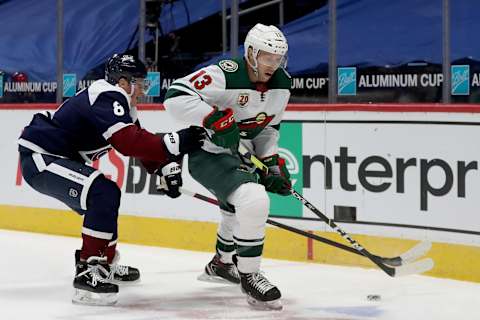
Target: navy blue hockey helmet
{"x": 124, "y": 66}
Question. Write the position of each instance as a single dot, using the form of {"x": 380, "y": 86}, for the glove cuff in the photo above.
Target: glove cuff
{"x": 277, "y": 165}
{"x": 171, "y": 168}
{"x": 271, "y": 161}
{"x": 219, "y": 120}
{"x": 172, "y": 143}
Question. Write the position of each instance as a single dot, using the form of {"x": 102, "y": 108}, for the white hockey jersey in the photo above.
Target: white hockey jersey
{"x": 227, "y": 85}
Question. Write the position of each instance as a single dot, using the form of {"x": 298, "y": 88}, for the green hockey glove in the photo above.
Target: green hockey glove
{"x": 278, "y": 178}
{"x": 227, "y": 134}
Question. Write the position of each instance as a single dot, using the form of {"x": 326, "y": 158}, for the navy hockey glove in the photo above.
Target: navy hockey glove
{"x": 171, "y": 177}
{"x": 184, "y": 141}
{"x": 278, "y": 178}
{"x": 227, "y": 134}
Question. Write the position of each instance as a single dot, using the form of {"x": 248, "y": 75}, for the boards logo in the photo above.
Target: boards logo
{"x": 290, "y": 148}
{"x": 460, "y": 80}
{"x": 377, "y": 174}
{"x": 152, "y": 84}
{"x": 1, "y": 84}
{"x": 69, "y": 84}
{"x": 347, "y": 81}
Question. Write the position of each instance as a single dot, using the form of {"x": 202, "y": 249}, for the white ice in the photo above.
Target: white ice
{"x": 36, "y": 273}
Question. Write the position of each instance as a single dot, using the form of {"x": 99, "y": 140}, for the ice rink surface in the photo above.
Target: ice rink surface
{"x": 36, "y": 272}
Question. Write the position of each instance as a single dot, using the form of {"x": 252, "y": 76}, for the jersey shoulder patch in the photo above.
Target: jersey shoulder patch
{"x": 236, "y": 75}
{"x": 228, "y": 65}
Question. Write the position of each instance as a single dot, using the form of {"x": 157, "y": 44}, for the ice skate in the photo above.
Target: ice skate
{"x": 261, "y": 294}
{"x": 220, "y": 272}
{"x": 118, "y": 273}
{"x": 91, "y": 286}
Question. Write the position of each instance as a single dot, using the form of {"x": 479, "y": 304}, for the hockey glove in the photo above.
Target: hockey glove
{"x": 171, "y": 177}
{"x": 227, "y": 134}
{"x": 278, "y": 178}
{"x": 184, "y": 141}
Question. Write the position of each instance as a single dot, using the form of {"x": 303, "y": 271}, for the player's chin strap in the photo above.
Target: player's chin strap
{"x": 132, "y": 89}
{"x": 412, "y": 268}
{"x": 254, "y": 57}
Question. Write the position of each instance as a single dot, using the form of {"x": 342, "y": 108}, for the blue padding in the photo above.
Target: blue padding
{"x": 370, "y": 33}
{"x": 184, "y": 12}
{"x": 94, "y": 30}
{"x": 382, "y": 33}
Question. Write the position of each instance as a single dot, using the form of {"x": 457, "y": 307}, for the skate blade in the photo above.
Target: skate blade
{"x": 125, "y": 283}
{"x": 214, "y": 279}
{"x": 265, "y": 305}
{"x": 85, "y": 297}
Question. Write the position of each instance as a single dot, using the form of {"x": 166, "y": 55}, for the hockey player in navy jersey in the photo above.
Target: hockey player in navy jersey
{"x": 55, "y": 147}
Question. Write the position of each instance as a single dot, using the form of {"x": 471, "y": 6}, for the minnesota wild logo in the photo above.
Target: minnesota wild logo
{"x": 261, "y": 117}
{"x": 251, "y": 127}
{"x": 228, "y": 65}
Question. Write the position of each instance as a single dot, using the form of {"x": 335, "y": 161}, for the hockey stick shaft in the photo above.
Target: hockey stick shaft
{"x": 396, "y": 261}
{"x": 357, "y": 246}
{"x": 388, "y": 270}
{"x": 398, "y": 269}
{"x": 279, "y": 224}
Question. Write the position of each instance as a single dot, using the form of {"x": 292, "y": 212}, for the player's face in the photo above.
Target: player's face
{"x": 139, "y": 88}
{"x": 268, "y": 63}
{"x": 136, "y": 87}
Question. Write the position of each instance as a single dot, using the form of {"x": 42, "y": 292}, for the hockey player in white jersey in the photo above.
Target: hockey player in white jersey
{"x": 239, "y": 101}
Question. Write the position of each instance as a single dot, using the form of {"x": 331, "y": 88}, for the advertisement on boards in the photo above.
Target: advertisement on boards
{"x": 383, "y": 170}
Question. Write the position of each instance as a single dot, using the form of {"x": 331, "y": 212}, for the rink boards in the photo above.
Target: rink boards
{"x": 393, "y": 174}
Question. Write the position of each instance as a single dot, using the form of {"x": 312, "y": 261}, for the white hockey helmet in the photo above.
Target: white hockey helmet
{"x": 266, "y": 38}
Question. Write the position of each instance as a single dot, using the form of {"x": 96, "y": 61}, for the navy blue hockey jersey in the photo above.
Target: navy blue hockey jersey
{"x": 80, "y": 127}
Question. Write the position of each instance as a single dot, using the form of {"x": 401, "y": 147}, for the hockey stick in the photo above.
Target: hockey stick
{"x": 411, "y": 255}
{"x": 412, "y": 268}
